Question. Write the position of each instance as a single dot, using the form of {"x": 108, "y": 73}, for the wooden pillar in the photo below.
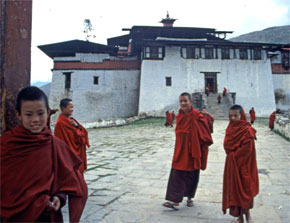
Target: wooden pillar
{"x": 15, "y": 56}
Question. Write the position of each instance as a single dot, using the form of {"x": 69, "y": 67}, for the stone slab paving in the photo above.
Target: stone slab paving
{"x": 128, "y": 169}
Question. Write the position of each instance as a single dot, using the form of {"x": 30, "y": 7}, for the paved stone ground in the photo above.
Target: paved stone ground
{"x": 128, "y": 169}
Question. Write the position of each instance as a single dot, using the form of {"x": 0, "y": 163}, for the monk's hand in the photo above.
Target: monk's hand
{"x": 53, "y": 205}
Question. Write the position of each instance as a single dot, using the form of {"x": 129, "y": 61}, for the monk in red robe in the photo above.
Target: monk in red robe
{"x": 241, "y": 182}
{"x": 38, "y": 170}
{"x": 69, "y": 130}
{"x": 209, "y": 119}
{"x": 224, "y": 92}
{"x": 219, "y": 99}
{"x": 252, "y": 115}
{"x": 190, "y": 154}
{"x": 169, "y": 119}
{"x": 272, "y": 118}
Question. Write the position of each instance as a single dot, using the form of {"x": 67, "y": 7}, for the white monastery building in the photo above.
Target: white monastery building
{"x": 144, "y": 71}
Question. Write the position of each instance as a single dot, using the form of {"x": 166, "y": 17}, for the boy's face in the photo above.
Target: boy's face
{"x": 33, "y": 115}
{"x": 185, "y": 103}
{"x": 235, "y": 115}
{"x": 68, "y": 110}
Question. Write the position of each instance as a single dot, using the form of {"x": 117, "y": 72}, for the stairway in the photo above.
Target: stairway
{"x": 219, "y": 111}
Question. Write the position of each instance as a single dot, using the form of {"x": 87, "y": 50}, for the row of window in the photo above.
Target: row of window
{"x": 155, "y": 52}
{"x": 67, "y": 81}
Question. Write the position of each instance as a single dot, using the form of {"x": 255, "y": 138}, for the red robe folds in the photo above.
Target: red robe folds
{"x": 252, "y": 115}
{"x": 192, "y": 140}
{"x": 210, "y": 121}
{"x": 241, "y": 182}
{"x": 271, "y": 120}
{"x": 75, "y": 138}
{"x": 35, "y": 167}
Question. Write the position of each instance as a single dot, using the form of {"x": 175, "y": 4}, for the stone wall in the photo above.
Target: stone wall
{"x": 115, "y": 96}
{"x": 251, "y": 80}
{"x": 282, "y": 81}
{"x": 282, "y": 124}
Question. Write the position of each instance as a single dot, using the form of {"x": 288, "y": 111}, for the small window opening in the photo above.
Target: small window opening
{"x": 67, "y": 82}
{"x": 168, "y": 81}
{"x": 96, "y": 80}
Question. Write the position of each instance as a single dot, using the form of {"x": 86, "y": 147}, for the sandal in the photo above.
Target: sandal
{"x": 189, "y": 203}
{"x": 170, "y": 205}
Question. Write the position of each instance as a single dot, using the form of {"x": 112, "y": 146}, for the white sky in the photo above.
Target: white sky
{"x": 62, "y": 20}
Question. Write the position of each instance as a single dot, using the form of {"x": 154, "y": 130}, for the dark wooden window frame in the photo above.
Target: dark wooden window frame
{"x": 257, "y": 54}
{"x": 154, "y": 52}
{"x": 67, "y": 81}
{"x": 243, "y": 54}
{"x": 168, "y": 81}
{"x": 225, "y": 53}
{"x": 96, "y": 80}
{"x": 208, "y": 53}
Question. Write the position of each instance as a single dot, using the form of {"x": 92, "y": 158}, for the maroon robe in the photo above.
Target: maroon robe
{"x": 75, "y": 137}
{"x": 241, "y": 182}
{"x": 192, "y": 140}
{"x": 34, "y": 168}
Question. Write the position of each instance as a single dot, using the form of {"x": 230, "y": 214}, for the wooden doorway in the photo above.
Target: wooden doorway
{"x": 210, "y": 80}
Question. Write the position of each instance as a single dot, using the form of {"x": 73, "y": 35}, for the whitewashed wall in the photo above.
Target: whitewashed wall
{"x": 116, "y": 95}
{"x": 250, "y": 79}
{"x": 282, "y": 81}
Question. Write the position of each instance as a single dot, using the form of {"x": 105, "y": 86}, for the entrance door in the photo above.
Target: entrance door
{"x": 210, "y": 80}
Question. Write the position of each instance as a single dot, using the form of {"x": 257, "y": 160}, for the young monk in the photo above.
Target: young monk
{"x": 252, "y": 115}
{"x": 241, "y": 182}
{"x": 272, "y": 118}
{"x": 209, "y": 118}
{"x": 38, "y": 170}
{"x": 71, "y": 132}
{"x": 190, "y": 154}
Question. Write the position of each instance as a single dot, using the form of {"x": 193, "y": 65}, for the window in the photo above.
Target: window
{"x": 96, "y": 80}
{"x": 286, "y": 60}
{"x": 243, "y": 54}
{"x": 190, "y": 53}
{"x": 225, "y": 53}
{"x": 208, "y": 53}
{"x": 67, "y": 81}
{"x": 154, "y": 52}
{"x": 168, "y": 81}
{"x": 257, "y": 54}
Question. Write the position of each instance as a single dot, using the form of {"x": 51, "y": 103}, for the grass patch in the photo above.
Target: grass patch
{"x": 149, "y": 121}
{"x": 282, "y": 135}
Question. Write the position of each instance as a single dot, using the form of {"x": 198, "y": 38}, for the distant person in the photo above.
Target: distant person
{"x": 209, "y": 119}
{"x": 241, "y": 182}
{"x": 190, "y": 154}
{"x": 69, "y": 130}
{"x": 173, "y": 117}
{"x": 207, "y": 91}
{"x": 38, "y": 171}
{"x": 272, "y": 118}
{"x": 219, "y": 98}
{"x": 167, "y": 120}
{"x": 51, "y": 112}
{"x": 252, "y": 115}
{"x": 224, "y": 92}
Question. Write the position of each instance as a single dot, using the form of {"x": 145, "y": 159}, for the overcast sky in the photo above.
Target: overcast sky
{"x": 62, "y": 20}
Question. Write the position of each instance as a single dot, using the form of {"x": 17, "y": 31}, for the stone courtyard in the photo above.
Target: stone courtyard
{"x": 128, "y": 169}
